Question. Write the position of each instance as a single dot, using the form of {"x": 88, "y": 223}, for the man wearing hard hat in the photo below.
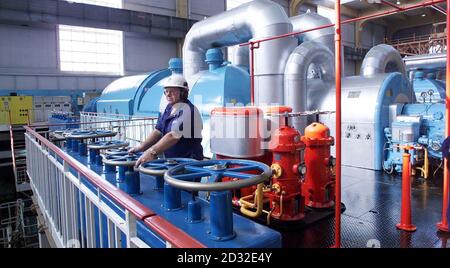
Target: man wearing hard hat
{"x": 178, "y": 130}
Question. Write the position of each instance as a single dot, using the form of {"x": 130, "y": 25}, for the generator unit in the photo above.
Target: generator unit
{"x": 420, "y": 125}
{"x": 427, "y": 88}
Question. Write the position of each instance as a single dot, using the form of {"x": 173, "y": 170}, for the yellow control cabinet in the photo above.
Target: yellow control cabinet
{"x": 19, "y": 106}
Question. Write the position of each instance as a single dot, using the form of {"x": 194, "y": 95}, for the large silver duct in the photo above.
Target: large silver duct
{"x": 382, "y": 59}
{"x": 312, "y": 20}
{"x": 310, "y": 67}
{"x": 299, "y": 23}
{"x": 241, "y": 57}
{"x": 257, "y": 19}
{"x": 428, "y": 61}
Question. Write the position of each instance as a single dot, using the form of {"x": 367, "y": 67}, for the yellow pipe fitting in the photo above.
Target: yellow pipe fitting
{"x": 258, "y": 203}
{"x": 277, "y": 171}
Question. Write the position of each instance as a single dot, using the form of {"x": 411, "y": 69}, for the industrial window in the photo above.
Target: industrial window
{"x": 91, "y": 50}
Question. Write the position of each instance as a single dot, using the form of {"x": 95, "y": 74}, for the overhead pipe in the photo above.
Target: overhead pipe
{"x": 382, "y": 59}
{"x": 241, "y": 57}
{"x": 309, "y": 58}
{"x": 310, "y": 20}
{"x": 299, "y": 24}
{"x": 254, "y": 20}
{"x": 427, "y": 61}
{"x": 372, "y": 16}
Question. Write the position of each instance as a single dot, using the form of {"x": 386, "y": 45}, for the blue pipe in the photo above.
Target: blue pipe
{"x": 221, "y": 216}
{"x": 172, "y": 198}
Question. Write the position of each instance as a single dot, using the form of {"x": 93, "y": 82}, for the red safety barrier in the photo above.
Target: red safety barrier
{"x": 122, "y": 198}
{"x": 405, "y": 218}
{"x": 174, "y": 235}
{"x": 162, "y": 227}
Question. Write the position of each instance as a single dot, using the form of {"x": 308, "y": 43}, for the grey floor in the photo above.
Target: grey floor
{"x": 373, "y": 201}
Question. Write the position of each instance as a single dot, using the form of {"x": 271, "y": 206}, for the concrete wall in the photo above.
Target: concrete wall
{"x": 29, "y": 57}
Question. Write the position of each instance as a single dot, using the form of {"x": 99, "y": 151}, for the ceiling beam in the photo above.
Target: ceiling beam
{"x": 54, "y": 12}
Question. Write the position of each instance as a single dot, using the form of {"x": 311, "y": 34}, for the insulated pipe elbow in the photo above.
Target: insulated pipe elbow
{"x": 313, "y": 20}
{"x": 382, "y": 59}
{"x": 309, "y": 62}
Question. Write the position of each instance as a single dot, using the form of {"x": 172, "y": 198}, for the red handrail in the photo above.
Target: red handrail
{"x": 174, "y": 235}
{"x": 96, "y": 122}
{"x": 123, "y": 199}
{"x": 165, "y": 229}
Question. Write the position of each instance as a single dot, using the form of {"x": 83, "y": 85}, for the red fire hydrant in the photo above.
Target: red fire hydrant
{"x": 286, "y": 200}
{"x": 318, "y": 187}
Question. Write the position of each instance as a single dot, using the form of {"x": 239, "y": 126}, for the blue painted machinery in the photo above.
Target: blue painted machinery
{"x": 420, "y": 125}
{"x": 211, "y": 220}
{"x": 62, "y": 121}
{"x": 142, "y": 95}
{"x": 427, "y": 88}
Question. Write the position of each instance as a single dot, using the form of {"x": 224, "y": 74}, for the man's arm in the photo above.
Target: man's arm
{"x": 169, "y": 140}
{"x": 153, "y": 138}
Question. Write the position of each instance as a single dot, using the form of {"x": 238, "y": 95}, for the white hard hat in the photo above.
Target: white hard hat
{"x": 176, "y": 80}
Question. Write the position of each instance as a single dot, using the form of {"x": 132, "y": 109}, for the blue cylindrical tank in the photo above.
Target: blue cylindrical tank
{"x": 222, "y": 85}
{"x": 427, "y": 88}
{"x": 218, "y": 86}
{"x": 142, "y": 95}
{"x": 91, "y": 106}
{"x": 138, "y": 94}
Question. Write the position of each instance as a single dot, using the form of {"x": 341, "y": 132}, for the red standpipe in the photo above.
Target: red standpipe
{"x": 443, "y": 224}
{"x": 337, "y": 233}
{"x": 405, "y": 218}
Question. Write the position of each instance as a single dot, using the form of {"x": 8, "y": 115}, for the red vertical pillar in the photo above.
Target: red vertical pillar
{"x": 337, "y": 38}
{"x": 443, "y": 225}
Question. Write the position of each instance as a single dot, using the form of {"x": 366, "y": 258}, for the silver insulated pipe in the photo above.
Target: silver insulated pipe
{"x": 299, "y": 23}
{"x": 310, "y": 67}
{"x": 312, "y": 20}
{"x": 382, "y": 59}
{"x": 427, "y": 61}
{"x": 257, "y": 19}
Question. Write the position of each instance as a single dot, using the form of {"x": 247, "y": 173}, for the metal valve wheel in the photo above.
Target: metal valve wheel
{"x": 101, "y": 145}
{"x": 159, "y": 166}
{"x": 117, "y": 151}
{"x": 179, "y": 177}
{"x": 123, "y": 159}
{"x": 88, "y": 134}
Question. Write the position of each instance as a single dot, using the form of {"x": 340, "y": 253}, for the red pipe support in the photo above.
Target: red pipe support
{"x": 443, "y": 224}
{"x": 337, "y": 37}
{"x": 381, "y": 14}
